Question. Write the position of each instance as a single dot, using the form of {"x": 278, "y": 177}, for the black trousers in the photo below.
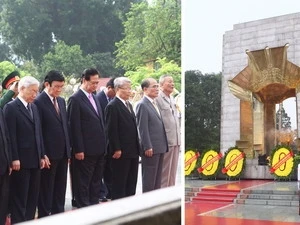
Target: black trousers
{"x": 4, "y": 196}
{"x": 88, "y": 174}
{"x": 53, "y": 188}
{"x": 124, "y": 177}
{"x": 25, "y": 185}
{"x": 107, "y": 177}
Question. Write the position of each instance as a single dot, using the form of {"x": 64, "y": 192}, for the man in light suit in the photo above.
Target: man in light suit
{"x": 88, "y": 139}
{"x": 152, "y": 136}
{"x": 28, "y": 157}
{"x": 104, "y": 97}
{"x": 123, "y": 140}
{"x": 169, "y": 115}
{"x": 5, "y": 170}
{"x": 53, "y": 115}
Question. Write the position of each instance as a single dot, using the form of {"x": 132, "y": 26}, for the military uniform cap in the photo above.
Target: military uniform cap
{"x": 12, "y": 77}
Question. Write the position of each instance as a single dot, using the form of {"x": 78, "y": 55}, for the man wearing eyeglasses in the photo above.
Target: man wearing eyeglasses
{"x": 152, "y": 136}
{"x": 53, "y": 115}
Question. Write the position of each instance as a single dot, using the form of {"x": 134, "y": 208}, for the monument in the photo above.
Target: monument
{"x": 260, "y": 70}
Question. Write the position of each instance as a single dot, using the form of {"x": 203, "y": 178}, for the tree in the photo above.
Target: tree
{"x": 31, "y": 27}
{"x": 151, "y": 32}
{"x": 202, "y": 110}
{"x": 70, "y": 60}
{"x": 164, "y": 67}
{"x": 105, "y": 64}
{"x": 6, "y": 68}
{"x": 5, "y": 52}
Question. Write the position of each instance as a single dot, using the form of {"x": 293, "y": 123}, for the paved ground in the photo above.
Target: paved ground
{"x": 242, "y": 214}
{"x": 138, "y": 189}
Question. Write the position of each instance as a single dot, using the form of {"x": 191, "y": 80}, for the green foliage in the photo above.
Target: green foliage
{"x": 6, "y": 68}
{"x": 202, "y": 110}
{"x": 29, "y": 68}
{"x": 5, "y": 53}
{"x": 105, "y": 63}
{"x": 151, "y": 32}
{"x": 164, "y": 67}
{"x": 30, "y": 27}
{"x": 67, "y": 59}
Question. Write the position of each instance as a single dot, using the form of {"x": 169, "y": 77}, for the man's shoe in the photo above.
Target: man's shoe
{"x": 74, "y": 203}
{"x": 104, "y": 199}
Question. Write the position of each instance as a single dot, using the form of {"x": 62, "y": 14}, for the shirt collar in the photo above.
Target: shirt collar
{"x": 86, "y": 93}
{"x": 150, "y": 99}
{"x": 23, "y": 101}
{"x": 51, "y": 98}
{"x": 122, "y": 100}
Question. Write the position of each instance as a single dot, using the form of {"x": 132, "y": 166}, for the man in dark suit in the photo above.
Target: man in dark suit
{"x": 104, "y": 97}
{"x": 53, "y": 115}
{"x": 88, "y": 139}
{"x": 5, "y": 170}
{"x": 152, "y": 136}
{"x": 107, "y": 94}
{"x": 123, "y": 140}
{"x": 28, "y": 157}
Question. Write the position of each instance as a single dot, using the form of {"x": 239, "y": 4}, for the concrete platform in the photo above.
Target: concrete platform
{"x": 231, "y": 213}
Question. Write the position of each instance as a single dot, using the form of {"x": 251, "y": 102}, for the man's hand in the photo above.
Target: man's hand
{"x": 14, "y": 87}
{"x": 149, "y": 152}
{"x": 47, "y": 162}
{"x": 79, "y": 156}
{"x": 117, "y": 154}
{"x": 16, "y": 165}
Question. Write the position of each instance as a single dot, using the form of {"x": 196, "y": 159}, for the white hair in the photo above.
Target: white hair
{"x": 162, "y": 78}
{"x": 27, "y": 81}
{"x": 120, "y": 81}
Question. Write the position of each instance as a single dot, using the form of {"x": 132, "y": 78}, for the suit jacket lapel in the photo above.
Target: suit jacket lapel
{"x": 48, "y": 101}
{"x": 152, "y": 107}
{"x": 88, "y": 103}
{"x": 23, "y": 109}
{"x": 122, "y": 106}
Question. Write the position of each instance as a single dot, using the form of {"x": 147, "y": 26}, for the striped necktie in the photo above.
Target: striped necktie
{"x": 56, "y": 105}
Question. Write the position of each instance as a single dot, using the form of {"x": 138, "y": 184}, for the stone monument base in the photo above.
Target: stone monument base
{"x": 255, "y": 171}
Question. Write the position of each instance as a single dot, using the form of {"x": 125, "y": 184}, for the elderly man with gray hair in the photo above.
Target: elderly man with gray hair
{"x": 122, "y": 134}
{"x": 27, "y": 150}
{"x": 169, "y": 115}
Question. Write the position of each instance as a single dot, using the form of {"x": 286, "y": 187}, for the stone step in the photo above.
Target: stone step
{"x": 268, "y": 197}
{"x": 215, "y": 194}
{"x": 266, "y": 202}
{"x": 213, "y": 199}
{"x": 270, "y": 192}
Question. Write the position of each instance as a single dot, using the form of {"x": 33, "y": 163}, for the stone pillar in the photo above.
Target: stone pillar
{"x": 270, "y": 127}
{"x": 298, "y": 116}
{"x": 258, "y": 128}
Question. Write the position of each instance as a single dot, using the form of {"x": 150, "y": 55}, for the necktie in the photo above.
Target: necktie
{"x": 93, "y": 102}
{"x": 30, "y": 110}
{"x": 156, "y": 108}
{"x": 128, "y": 105}
{"x": 56, "y": 105}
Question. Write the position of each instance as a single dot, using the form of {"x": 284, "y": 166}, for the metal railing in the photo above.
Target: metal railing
{"x": 157, "y": 207}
